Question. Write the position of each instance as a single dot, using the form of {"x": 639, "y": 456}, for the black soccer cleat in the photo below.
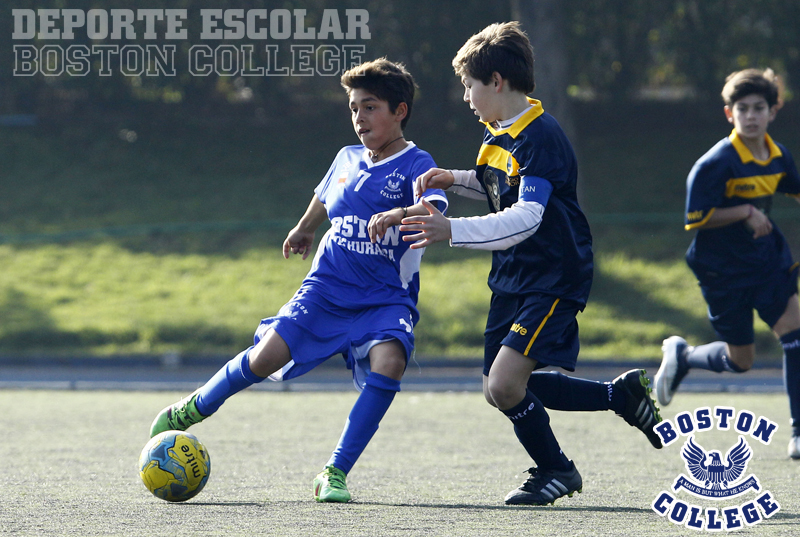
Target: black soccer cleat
{"x": 640, "y": 410}
{"x": 544, "y": 487}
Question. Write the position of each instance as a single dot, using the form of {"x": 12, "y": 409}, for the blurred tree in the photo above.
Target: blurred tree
{"x": 544, "y": 21}
{"x": 585, "y": 48}
{"x": 618, "y": 48}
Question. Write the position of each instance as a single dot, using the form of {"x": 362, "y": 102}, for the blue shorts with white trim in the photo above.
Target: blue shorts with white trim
{"x": 316, "y": 329}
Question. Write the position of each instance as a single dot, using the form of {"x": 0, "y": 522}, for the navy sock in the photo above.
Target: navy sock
{"x": 713, "y": 357}
{"x": 791, "y": 376}
{"x": 560, "y": 392}
{"x": 234, "y": 377}
{"x": 366, "y": 415}
{"x": 532, "y": 427}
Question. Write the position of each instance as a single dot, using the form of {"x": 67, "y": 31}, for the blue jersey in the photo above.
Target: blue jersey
{"x": 557, "y": 259}
{"x": 726, "y": 176}
{"x": 348, "y": 269}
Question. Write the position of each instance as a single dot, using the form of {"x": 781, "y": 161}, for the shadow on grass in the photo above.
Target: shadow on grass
{"x": 587, "y": 508}
{"x": 223, "y": 504}
{"x": 628, "y": 302}
{"x": 788, "y": 517}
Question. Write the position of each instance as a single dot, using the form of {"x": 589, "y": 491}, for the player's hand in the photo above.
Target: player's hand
{"x": 298, "y": 242}
{"x": 433, "y": 178}
{"x": 759, "y": 224}
{"x": 380, "y": 222}
{"x": 433, "y": 227}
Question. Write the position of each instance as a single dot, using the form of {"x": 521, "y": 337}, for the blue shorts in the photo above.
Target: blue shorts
{"x": 542, "y": 327}
{"x": 731, "y": 310}
{"x": 316, "y": 329}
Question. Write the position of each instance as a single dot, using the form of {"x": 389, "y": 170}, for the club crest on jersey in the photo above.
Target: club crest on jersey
{"x": 512, "y": 171}
{"x": 393, "y": 190}
{"x": 710, "y": 477}
{"x": 492, "y": 185}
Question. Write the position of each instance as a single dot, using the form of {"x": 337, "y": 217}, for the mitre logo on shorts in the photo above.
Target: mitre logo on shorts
{"x": 710, "y": 476}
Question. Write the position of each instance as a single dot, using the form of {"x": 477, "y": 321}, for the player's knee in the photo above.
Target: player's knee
{"x": 388, "y": 359}
{"x": 488, "y": 397}
{"x": 503, "y": 394}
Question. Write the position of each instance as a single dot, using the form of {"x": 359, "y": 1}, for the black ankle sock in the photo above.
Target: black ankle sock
{"x": 532, "y": 427}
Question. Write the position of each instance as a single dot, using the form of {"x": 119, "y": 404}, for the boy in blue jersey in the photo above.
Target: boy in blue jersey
{"x": 739, "y": 255}
{"x": 359, "y": 298}
{"x": 541, "y": 261}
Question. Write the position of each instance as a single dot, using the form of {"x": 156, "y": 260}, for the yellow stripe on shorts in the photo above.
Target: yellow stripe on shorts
{"x": 552, "y": 309}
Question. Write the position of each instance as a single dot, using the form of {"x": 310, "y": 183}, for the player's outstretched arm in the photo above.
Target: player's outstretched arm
{"x": 380, "y": 222}
{"x": 433, "y": 178}
{"x": 432, "y": 226}
{"x": 301, "y": 238}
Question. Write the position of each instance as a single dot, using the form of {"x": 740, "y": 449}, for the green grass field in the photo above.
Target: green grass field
{"x": 105, "y": 299}
{"x": 440, "y": 465}
{"x": 133, "y": 288}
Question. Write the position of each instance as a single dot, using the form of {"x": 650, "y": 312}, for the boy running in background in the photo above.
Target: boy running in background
{"x": 359, "y": 298}
{"x": 739, "y": 255}
{"x": 541, "y": 260}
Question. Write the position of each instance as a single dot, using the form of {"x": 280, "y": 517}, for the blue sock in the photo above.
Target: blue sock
{"x": 791, "y": 376}
{"x": 234, "y": 377}
{"x": 560, "y": 392}
{"x": 363, "y": 421}
{"x": 532, "y": 427}
{"x": 713, "y": 357}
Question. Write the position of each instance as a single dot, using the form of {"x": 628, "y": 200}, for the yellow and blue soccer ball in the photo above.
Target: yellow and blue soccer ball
{"x": 174, "y": 466}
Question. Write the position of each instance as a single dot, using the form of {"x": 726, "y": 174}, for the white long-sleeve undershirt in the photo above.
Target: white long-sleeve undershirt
{"x": 495, "y": 231}
{"x": 466, "y": 184}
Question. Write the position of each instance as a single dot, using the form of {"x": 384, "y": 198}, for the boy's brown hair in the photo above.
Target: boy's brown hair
{"x": 388, "y": 81}
{"x": 500, "y": 47}
{"x": 740, "y": 84}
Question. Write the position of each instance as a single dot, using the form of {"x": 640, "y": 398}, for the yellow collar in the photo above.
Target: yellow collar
{"x": 521, "y": 123}
{"x": 747, "y": 156}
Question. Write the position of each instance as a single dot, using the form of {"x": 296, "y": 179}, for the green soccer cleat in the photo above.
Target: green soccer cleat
{"x": 330, "y": 486}
{"x": 177, "y": 417}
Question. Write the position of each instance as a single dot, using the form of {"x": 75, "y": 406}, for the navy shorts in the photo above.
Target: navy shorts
{"x": 731, "y": 310}
{"x": 316, "y": 329}
{"x": 541, "y": 327}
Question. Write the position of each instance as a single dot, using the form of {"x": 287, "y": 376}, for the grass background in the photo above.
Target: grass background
{"x": 170, "y": 243}
{"x": 440, "y": 465}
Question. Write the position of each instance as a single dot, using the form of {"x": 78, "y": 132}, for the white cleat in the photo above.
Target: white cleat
{"x": 672, "y": 347}
{"x": 794, "y": 447}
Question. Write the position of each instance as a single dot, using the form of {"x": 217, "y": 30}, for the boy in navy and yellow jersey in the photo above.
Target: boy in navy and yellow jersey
{"x": 360, "y": 295}
{"x": 541, "y": 260}
{"x": 739, "y": 255}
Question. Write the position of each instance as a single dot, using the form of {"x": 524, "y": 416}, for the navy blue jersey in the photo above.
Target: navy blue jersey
{"x": 726, "y": 176}
{"x": 348, "y": 269}
{"x": 557, "y": 259}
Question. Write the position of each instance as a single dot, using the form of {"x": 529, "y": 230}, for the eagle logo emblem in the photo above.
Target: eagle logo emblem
{"x": 710, "y": 476}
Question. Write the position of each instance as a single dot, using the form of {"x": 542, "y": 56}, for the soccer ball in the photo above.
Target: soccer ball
{"x": 174, "y": 466}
